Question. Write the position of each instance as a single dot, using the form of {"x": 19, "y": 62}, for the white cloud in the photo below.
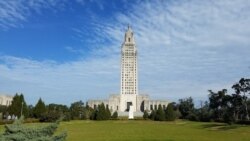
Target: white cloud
{"x": 185, "y": 48}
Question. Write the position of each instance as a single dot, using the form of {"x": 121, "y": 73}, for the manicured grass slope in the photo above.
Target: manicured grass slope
{"x": 153, "y": 131}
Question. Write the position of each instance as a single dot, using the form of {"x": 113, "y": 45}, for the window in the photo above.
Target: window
{"x": 151, "y": 107}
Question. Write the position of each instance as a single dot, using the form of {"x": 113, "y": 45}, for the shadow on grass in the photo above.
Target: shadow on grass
{"x": 219, "y": 126}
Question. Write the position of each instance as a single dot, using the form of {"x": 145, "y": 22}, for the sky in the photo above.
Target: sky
{"x": 69, "y": 50}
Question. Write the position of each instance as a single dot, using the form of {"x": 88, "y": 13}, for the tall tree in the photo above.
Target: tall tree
{"x": 18, "y": 106}
{"x": 101, "y": 113}
{"x": 160, "y": 115}
{"x": 186, "y": 106}
{"x": 216, "y": 103}
{"x": 243, "y": 87}
{"x": 39, "y": 109}
{"x": 237, "y": 105}
{"x": 107, "y": 113}
{"x": 170, "y": 113}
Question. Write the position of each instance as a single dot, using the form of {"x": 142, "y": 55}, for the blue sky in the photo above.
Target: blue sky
{"x": 69, "y": 50}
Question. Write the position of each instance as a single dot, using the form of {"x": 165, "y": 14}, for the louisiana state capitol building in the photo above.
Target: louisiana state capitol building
{"x": 129, "y": 99}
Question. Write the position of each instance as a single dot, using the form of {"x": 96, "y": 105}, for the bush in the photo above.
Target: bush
{"x": 18, "y": 132}
{"x": 192, "y": 117}
{"x": 115, "y": 115}
{"x": 50, "y": 117}
{"x": 245, "y": 122}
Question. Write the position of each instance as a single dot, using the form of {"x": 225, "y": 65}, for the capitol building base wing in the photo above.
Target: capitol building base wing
{"x": 143, "y": 103}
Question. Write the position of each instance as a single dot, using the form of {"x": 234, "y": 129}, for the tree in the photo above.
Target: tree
{"x": 3, "y": 111}
{"x": 186, "y": 106}
{"x": 204, "y": 112}
{"x": 77, "y": 110}
{"x": 145, "y": 115}
{"x": 217, "y": 103}
{"x": 160, "y": 115}
{"x": 101, "y": 113}
{"x": 237, "y": 106}
{"x": 170, "y": 113}
{"x": 88, "y": 112}
{"x": 18, "y": 106}
{"x": 243, "y": 87}
{"x": 107, "y": 113}
{"x": 152, "y": 115}
{"x": 54, "y": 112}
{"x": 39, "y": 109}
{"x": 18, "y": 132}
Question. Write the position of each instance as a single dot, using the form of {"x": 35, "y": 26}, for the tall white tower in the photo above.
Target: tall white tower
{"x": 129, "y": 81}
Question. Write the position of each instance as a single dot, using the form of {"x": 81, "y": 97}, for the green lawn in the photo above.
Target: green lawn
{"x": 153, "y": 131}
{"x": 128, "y": 130}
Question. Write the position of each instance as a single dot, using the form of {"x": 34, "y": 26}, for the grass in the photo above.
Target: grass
{"x": 153, "y": 131}
{"x": 129, "y": 130}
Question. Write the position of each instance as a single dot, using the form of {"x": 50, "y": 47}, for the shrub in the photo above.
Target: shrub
{"x": 115, "y": 115}
{"x": 18, "y": 132}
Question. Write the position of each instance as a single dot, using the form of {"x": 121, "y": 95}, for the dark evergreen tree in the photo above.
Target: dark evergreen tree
{"x": 101, "y": 113}
{"x": 18, "y": 106}
{"x": 160, "y": 115}
{"x": 3, "y": 111}
{"x": 94, "y": 114}
{"x": 170, "y": 113}
{"x": 39, "y": 109}
{"x": 30, "y": 111}
{"x": 152, "y": 115}
{"x": 18, "y": 132}
{"x": 107, "y": 113}
{"x": 145, "y": 115}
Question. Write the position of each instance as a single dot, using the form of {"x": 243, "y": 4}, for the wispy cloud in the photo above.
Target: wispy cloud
{"x": 14, "y": 12}
{"x": 185, "y": 45}
{"x": 185, "y": 48}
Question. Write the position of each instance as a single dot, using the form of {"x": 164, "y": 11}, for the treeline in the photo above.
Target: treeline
{"x": 52, "y": 112}
{"x": 220, "y": 107}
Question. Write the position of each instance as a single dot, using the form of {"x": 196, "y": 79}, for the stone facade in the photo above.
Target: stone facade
{"x": 129, "y": 99}
{"x": 5, "y": 100}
